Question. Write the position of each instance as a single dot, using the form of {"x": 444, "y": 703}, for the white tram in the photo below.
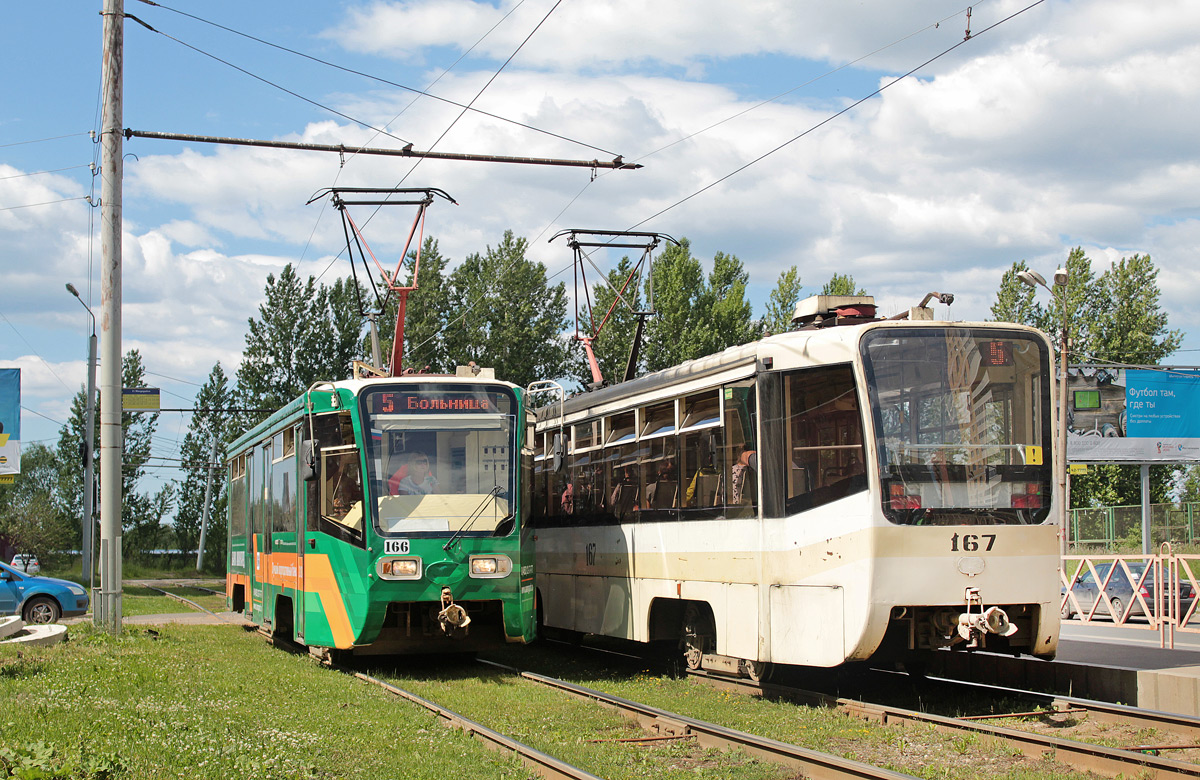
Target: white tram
{"x": 852, "y": 489}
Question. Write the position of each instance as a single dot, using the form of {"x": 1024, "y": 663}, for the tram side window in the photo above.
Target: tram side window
{"x": 283, "y": 475}
{"x": 703, "y": 491}
{"x": 659, "y": 479}
{"x": 823, "y": 438}
{"x": 740, "y": 462}
{"x": 237, "y": 496}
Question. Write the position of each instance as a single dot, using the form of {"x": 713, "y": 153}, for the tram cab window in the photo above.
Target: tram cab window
{"x": 823, "y": 438}
{"x": 335, "y": 499}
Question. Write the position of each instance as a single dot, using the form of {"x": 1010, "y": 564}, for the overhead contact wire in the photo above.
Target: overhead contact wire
{"x": 830, "y": 118}
{"x": 268, "y": 82}
{"x": 419, "y": 92}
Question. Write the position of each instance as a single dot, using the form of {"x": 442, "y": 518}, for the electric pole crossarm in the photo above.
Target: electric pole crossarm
{"x": 617, "y": 163}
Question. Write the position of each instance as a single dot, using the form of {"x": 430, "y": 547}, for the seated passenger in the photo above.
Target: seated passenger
{"x": 417, "y": 481}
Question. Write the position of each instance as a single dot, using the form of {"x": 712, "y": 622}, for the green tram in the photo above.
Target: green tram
{"x": 385, "y": 516}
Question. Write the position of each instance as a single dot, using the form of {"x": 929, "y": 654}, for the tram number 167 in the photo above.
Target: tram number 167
{"x": 970, "y": 542}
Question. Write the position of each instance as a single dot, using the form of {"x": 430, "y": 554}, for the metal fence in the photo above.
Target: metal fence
{"x": 1151, "y": 592}
{"x": 1110, "y": 526}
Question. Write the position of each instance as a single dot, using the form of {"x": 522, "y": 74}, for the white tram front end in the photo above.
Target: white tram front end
{"x": 820, "y": 496}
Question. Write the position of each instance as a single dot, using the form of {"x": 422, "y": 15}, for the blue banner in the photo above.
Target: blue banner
{"x": 1133, "y": 416}
{"x": 10, "y": 421}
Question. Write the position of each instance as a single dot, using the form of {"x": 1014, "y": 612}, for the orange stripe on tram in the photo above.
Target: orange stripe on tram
{"x": 319, "y": 579}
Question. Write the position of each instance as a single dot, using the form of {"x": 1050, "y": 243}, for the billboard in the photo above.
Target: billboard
{"x": 10, "y": 423}
{"x": 1133, "y": 415}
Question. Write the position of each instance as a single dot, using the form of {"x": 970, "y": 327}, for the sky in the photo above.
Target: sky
{"x": 1072, "y": 123}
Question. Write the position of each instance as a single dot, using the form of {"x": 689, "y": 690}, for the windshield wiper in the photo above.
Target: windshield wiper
{"x": 476, "y": 512}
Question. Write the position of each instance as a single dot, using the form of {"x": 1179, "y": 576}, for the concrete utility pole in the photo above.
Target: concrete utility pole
{"x": 212, "y": 466}
{"x": 107, "y": 609}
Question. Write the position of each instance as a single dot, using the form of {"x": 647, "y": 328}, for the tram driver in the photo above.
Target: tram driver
{"x": 414, "y": 477}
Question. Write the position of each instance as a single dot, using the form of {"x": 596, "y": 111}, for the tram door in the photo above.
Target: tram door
{"x": 260, "y": 529}
{"x": 301, "y": 526}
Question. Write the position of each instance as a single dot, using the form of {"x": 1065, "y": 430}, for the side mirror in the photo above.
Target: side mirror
{"x": 558, "y": 449}
{"x": 308, "y": 460}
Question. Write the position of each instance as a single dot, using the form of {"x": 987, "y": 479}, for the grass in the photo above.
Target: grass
{"x": 204, "y": 702}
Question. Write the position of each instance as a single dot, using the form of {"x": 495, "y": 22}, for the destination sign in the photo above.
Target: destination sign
{"x": 437, "y": 402}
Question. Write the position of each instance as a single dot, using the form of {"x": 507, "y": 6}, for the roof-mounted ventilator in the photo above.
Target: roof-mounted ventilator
{"x": 828, "y": 311}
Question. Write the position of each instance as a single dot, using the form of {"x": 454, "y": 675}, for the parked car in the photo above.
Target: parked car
{"x": 1120, "y": 590}
{"x": 27, "y": 563}
{"x": 39, "y": 599}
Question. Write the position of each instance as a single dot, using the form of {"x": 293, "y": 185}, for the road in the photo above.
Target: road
{"x": 1132, "y": 647}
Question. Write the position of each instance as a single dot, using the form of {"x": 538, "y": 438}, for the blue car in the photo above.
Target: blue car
{"x": 39, "y": 599}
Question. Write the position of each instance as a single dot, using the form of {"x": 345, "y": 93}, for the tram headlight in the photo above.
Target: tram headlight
{"x": 490, "y": 566}
{"x": 400, "y": 568}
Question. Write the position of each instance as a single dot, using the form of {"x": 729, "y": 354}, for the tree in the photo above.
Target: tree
{"x": 673, "y": 334}
{"x": 207, "y": 424}
{"x": 1133, "y": 329}
{"x": 508, "y": 317}
{"x": 781, "y": 304}
{"x": 842, "y": 284}
{"x": 30, "y": 517}
{"x": 696, "y": 316}
{"x": 1015, "y": 300}
{"x": 724, "y": 308}
{"x": 304, "y": 334}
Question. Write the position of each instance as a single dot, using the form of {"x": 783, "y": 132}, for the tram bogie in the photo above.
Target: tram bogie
{"x": 385, "y": 516}
{"x": 818, "y": 497}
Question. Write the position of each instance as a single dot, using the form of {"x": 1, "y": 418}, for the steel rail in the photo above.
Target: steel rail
{"x": 1185, "y": 726}
{"x": 177, "y": 597}
{"x": 1101, "y": 759}
{"x": 813, "y": 765}
{"x": 544, "y": 764}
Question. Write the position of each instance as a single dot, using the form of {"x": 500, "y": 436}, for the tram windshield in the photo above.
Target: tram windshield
{"x": 962, "y": 424}
{"x": 440, "y": 458}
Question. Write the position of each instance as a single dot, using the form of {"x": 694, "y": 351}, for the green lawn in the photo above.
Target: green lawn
{"x": 214, "y": 702}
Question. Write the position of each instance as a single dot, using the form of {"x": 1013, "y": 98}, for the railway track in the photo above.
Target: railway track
{"x": 1084, "y": 756}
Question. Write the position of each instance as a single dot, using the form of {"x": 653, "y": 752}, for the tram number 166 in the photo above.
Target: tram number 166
{"x": 970, "y": 542}
{"x": 395, "y": 547}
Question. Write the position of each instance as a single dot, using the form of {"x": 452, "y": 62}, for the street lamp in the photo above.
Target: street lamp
{"x": 1035, "y": 280}
{"x": 89, "y": 449}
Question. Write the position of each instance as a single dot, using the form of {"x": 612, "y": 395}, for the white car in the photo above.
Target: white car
{"x": 27, "y": 563}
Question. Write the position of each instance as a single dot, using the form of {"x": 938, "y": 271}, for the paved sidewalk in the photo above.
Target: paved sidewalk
{"x": 178, "y": 618}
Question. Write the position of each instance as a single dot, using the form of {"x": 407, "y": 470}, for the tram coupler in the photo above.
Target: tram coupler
{"x": 453, "y": 618}
{"x": 974, "y": 626}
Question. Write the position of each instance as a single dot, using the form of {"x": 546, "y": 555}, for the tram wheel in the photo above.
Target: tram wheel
{"x": 695, "y": 632}
{"x": 759, "y": 671}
